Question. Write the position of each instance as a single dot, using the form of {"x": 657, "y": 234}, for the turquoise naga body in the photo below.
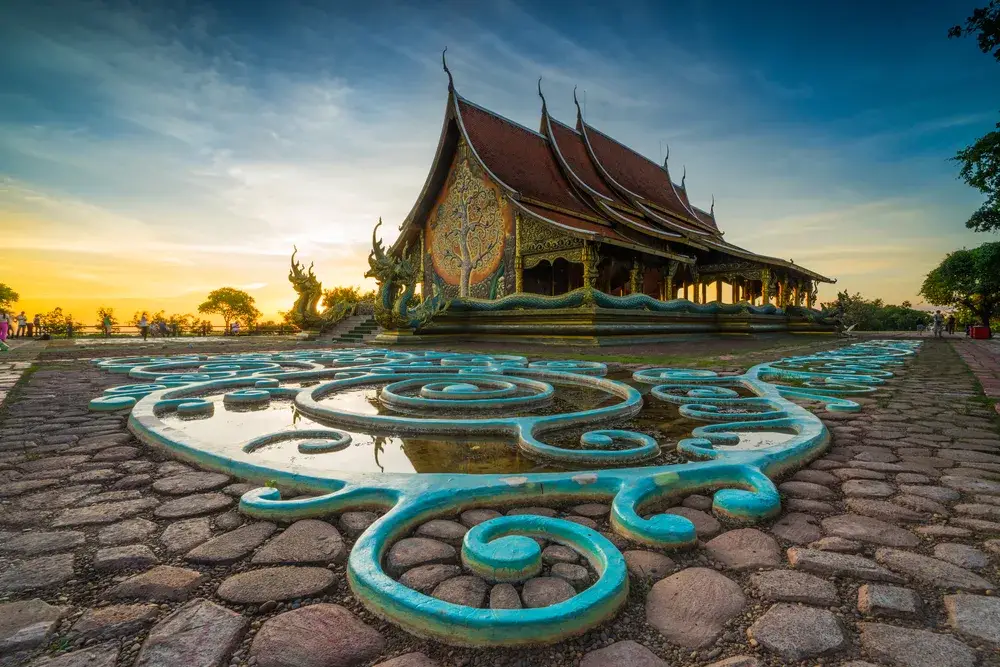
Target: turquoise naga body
{"x": 584, "y": 296}
{"x": 488, "y": 393}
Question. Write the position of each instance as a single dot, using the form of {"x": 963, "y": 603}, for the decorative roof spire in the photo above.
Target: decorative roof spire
{"x": 444, "y": 63}
{"x": 666, "y": 158}
{"x": 540, "y": 94}
{"x": 683, "y": 177}
{"x": 711, "y": 211}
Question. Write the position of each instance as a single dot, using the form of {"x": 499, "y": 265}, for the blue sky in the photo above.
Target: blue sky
{"x": 159, "y": 150}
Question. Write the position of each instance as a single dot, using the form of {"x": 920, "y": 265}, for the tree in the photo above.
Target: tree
{"x": 875, "y": 315}
{"x": 8, "y": 297}
{"x": 981, "y": 161}
{"x": 969, "y": 279}
{"x": 110, "y": 313}
{"x": 337, "y": 295}
{"x": 231, "y": 305}
{"x": 56, "y": 322}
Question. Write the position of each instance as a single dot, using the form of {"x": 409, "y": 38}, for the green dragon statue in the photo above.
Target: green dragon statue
{"x": 397, "y": 281}
{"x": 305, "y": 312}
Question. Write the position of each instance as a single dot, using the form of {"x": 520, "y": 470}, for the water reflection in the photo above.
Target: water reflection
{"x": 230, "y": 426}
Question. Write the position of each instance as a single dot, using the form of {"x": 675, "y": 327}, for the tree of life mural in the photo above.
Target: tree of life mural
{"x": 468, "y": 233}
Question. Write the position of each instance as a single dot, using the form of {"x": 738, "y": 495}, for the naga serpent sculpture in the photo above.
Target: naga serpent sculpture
{"x": 304, "y": 313}
{"x": 397, "y": 282}
{"x": 482, "y": 394}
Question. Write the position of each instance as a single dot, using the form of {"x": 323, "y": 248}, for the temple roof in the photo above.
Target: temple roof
{"x": 582, "y": 182}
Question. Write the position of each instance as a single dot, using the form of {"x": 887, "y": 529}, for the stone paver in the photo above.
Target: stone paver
{"x": 913, "y": 648}
{"x": 320, "y": 635}
{"x": 107, "y": 622}
{"x": 198, "y": 634}
{"x": 691, "y": 608}
{"x": 744, "y": 549}
{"x": 622, "y": 654}
{"x": 303, "y": 542}
{"x": 105, "y": 655}
{"x": 794, "y": 632}
{"x": 233, "y": 545}
{"x": 647, "y": 564}
{"x": 792, "y": 586}
{"x": 186, "y": 534}
{"x": 128, "y": 557}
{"x": 275, "y": 583}
{"x": 931, "y": 570}
{"x": 27, "y": 624}
{"x": 37, "y": 573}
{"x": 977, "y": 616}
{"x": 164, "y": 582}
{"x": 893, "y": 601}
{"x": 196, "y": 505}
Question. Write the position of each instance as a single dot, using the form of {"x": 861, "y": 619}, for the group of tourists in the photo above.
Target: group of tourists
{"x": 19, "y": 326}
{"x": 940, "y": 323}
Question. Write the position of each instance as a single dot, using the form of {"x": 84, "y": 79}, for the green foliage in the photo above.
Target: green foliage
{"x": 349, "y": 295}
{"x": 875, "y": 315}
{"x": 108, "y": 312}
{"x": 231, "y": 305}
{"x": 969, "y": 279}
{"x": 981, "y": 161}
{"x": 8, "y": 297}
{"x": 985, "y": 25}
{"x": 981, "y": 169}
{"x": 57, "y": 323}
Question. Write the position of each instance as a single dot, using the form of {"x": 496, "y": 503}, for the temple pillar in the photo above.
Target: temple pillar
{"x": 671, "y": 272}
{"x": 736, "y": 291}
{"x": 590, "y": 257}
{"x": 765, "y": 286}
{"x": 718, "y": 290}
{"x": 809, "y": 294}
{"x": 635, "y": 277}
{"x": 785, "y": 300}
{"x": 518, "y": 260}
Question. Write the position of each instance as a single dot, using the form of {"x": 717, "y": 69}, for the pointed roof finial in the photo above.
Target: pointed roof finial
{"x": 540, "y": 93}
{"x": 711, "y": 211}
{"x": 444, "y": 63}
{"x": 666, "y": 158}
{"x": 684, "y": 176}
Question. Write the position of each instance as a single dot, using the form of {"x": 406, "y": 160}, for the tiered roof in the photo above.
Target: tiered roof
{"x": 580, "y": 181}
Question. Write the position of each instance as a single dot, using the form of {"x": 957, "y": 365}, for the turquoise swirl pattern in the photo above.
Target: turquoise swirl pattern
{"x": 433, "y": 394}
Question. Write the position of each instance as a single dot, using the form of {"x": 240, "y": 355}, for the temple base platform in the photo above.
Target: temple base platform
{"x": 593, "y": 327}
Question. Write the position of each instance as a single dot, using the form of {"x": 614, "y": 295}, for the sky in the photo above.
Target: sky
{"x": 153, "y": 151}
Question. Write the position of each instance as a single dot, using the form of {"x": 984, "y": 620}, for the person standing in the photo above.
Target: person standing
{"x": 38, "y": 324}
{"x": 106, "y": 323}
{"x": 144, "y": 326}
{"x": 950, "y": 324}
{"x": 22, "y": 325}
{"x": 938, "y": 323}
{"x": 4, "y": 325}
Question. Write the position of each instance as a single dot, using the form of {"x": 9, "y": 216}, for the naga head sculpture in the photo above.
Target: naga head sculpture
{"x": 381, "y": 265}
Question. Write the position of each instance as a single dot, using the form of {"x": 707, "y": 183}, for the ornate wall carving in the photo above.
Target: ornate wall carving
{"x": 467, "y": 232}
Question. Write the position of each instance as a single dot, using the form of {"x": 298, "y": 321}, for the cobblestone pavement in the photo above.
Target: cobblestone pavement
{"x": 886, "y": 553}
{"x": 983, "y": 357}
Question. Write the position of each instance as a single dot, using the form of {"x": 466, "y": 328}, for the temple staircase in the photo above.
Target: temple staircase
{"x": 356, "y": 329}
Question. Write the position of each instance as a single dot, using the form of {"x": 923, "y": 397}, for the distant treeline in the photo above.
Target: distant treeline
{"x": 875, "y": 315}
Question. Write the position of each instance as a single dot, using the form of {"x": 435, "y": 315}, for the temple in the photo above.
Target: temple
{"x": 507, "y": 211}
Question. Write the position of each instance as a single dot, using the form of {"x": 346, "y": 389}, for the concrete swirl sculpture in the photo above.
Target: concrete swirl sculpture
{"x": 444, "y": 395}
